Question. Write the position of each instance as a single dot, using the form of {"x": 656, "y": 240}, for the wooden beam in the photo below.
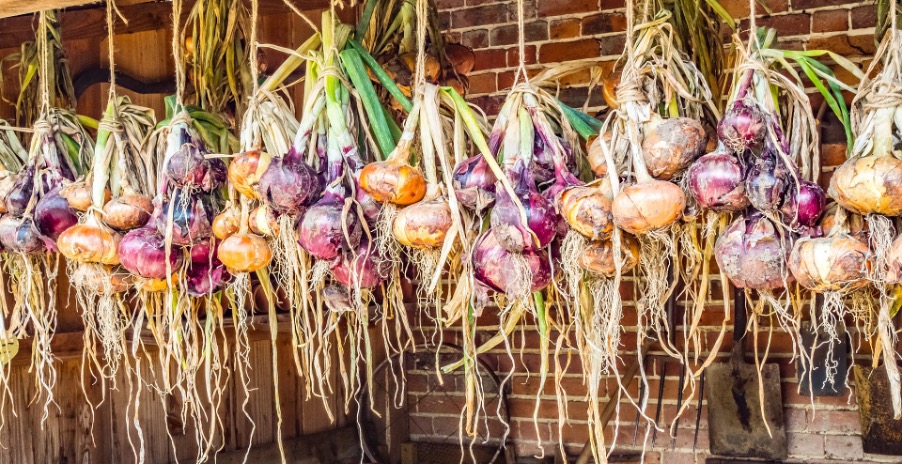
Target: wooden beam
{"x": 19, "y": 7}
{"x": 87, "y": 23}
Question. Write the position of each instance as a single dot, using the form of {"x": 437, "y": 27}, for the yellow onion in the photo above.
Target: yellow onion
{"x": 78, "y": 194}
{"x": 894, "y": 262}
{"x": 672, "y": 145}
{"x": 609, "y": 90}
{"x": 244, "y": 252}
{"x": 90, "y": 242}
{"x": 598, "y": 257}
{"x": 226, "y": 223}
{"x": 263, "y": 221}
{"x": 588, "y": 211}
{"x": 835, "y": 263}
{"x": 128, "y": 211}
{"x": 869, "y": 184}
{"x": 595, "y": 154}
{"x": 423, "y": 225}
{"x": 245, "y": 171}
{"x": 461, "y": 57}
{"x": 393, "y": 181}
{"x": 649, "y": 205}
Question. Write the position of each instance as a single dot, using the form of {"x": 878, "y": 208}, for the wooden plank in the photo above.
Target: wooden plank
{"x": 334, "y": 447}
{"x": 89, "y": 22}
{"x": 19, "y": 7}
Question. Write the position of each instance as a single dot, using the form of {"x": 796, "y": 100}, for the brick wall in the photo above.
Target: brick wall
{"x": 593, "y": 30}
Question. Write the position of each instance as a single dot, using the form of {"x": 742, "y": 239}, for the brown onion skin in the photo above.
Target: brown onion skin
{"x": 673, "y": 145}
{"x": 870, "y": 184}
{"x": 244, "y": 253}
{"x": 646, "y": 206}
{"x": 393, "y": 182}
{"x": 127, "y": 212}
{"x": 492, "y": 265}
{"x": 857, "y": 226}
{"x": 829, "y": 264}
{"x": 245, "y": 171}
{"x": 89, "y": 243}
{"x": 599, "y": 257}
{"x": 461, "y": 57}
{"x": 226, "y": 223}
{"x": 894, "y": 262}
{"x": 423, "y": 225}
{"x": 587, "y": 210}
{"x": 78, "y": 194}
{"x": 752, "y": 255}
{"x": 595, "y": 154}
{"x": 263, "y": 221}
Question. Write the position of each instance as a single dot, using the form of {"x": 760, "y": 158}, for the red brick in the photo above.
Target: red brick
{"x": 846, "y": 45}
{"x": 847, "y": 448}
{"x": 833, "y": 154}
{"x": 475, "y": 39}
{"x": 448, "y": 4}
{"x": 534, "y": 31}
{"x": 567, "y": 51}
{"x": 830, "y": 20}
{"x": 740, "y": 8}
{"x": 529, "y": 54}
{"x": 612, "y": 4}
{"x": 489, "y": 59}
{"x": 480, "y": 15}
{"x": 864, "y": 16}
{"x": 564, "y": 29}
{"x": 786, "y": 25}
{"x": 802, "y": 4}
{"x": 612, "y": 45}
{"x": 482, "y": 83}
{"x": 565, "y": 7}
{"x": 806, "y": 445}
{"x": 603, "y": 23}
{"x": 844, "y": 422}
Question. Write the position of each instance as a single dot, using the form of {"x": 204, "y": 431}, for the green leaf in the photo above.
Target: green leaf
{"x": 356, "y": 71}
{"x": 383, "y": 77}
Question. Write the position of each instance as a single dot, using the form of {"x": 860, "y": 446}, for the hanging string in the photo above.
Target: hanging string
{"x": 176, "y": 52}
{"x": 110, "y": 8}
{"x": 255, "y": 65}
{"x": 420, "y": 68}
{"x": 45, "y": 55}
{"x": 753, "y": 27}
{"x": 521, "y": 45}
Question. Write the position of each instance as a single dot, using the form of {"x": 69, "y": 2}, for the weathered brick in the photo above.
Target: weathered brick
{"x": 786, "y": 25}
{"x": 612, "y": 4}
{"x": 802, "y": 4}
{"x": 489, "y": 59}
{"x": 612, "y": 45}
{"x": 830, "y": 20}
{"x": 740, "y": 8}
{"x": 844, "y": 447}
{"x": 534, "y": 31}
{"x": 529, "y": 55}
{"x": 482, "y": 83}
{"x": 864, "y": 16}
{"x": 448, "y": 4}
{"x": 475, "y": 39}
{"x": 565, "y": 7}
{"x": 833, "y": 154}
{"x": 555, "y": 52}
{"x": 603, "y": 23}
{"x": 564, "y": 29}
{"x": 805, "y": 444}
{"x": 846, "y": 45}
{"x": 480, "y": 15}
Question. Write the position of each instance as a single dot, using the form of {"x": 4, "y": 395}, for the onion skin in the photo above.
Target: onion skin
{"x": 542, "y": 219}
{"x": 595, "y": 154}
{"x": 870, "y": 184}
{"x": 190, "y": 222}
{"x": 362, "y": 267}
{"x": 245, "y": 171}
{"x": 188, "y": 167}
{"x": 7, "y": 181}
{"x": 423, "y": 225}
{"x": 53, "y": 215}
{"x": 19, "y": 195}
{"x": 263, "y": 221}
{"x": 289, "y": 184}
{"x": 646, "y": 206}
{"x": 751, "y": 254}
{"x": 393, "y": 182}
{"x": 143, "y": 253}
{"x": 90, "y": 242}
{"x": 830, "y": 264}
{"x": 493, "y": 264}
{"x": 461, "y": 57}
{"x": 474, "y": 183}
{"x": 320, "y": 231}
{"x": 599, "y": 257}
{"x": 766, "y": 183}
{"x": 742, "y": 127}
{"x": 226, "y": 223}
{"x": 20, "y": 235}
{"x": 127, "y": 212}
{"x": 672, "y": 146}
{"x": 805, "y": 205}
{"x": 201, "y": 279}
{"x": 587, "y": 210}
{"x": 78, "y": 194}
{"x": 894, "y": 262}
{"x": 609, "y": 90}
{"x": 716, "y": 183}
{"x": 244, "y": 253}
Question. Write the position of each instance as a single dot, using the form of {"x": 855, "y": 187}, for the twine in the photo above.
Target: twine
{"x": 43, "y": 46}
{"x": 422, "y": 19}
{"x": 255, "y": 78}
{"x": 521, "y": 44}
{"x": 884, "y": 94}
{"x": 176, "y": 52}
{"x": 110, "y": 9}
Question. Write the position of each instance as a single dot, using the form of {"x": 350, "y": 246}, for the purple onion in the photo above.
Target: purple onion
{"x": 188, "y": 167}
{"x": 53, "y": 214}
{"x": 289, "y": 184}
{"x": 205, "y": 251}
{"x": 362, "y": 266}
{"x": 474, "y": 183}
{"x": 320, "y": 231}
{"x": 742, "y": 127}
{"x": 21, "y": 192}
{"x": 143, "y": 253}
{"x": 804, "y": 205}
{"x": 494, "y": 266}
{"x": 201, "y": 279}
{"x": 766, "y": 182}
{"x": 716, "y": 182}
{"x": 20, "y": 235}
{"x": 753, "y": 254}
{"x": 191, "y": 219}
{"x": 542, "y": 219}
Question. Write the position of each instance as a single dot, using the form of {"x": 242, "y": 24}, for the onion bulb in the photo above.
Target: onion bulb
{"x": 189, "y": 167}
{"x": 78, "y": 194}
{"x": 646, "y": 206}
{"x": 869, "y": 184}
{"x": 461, "y": 57}
{"x": 834, "y": 263}
{"x": 804, "y": 205}
{"x": 53, "y": 215}
{"x": 716, "y": 182}
{"x": 263, "y": 221}
{"x": 598, "y": 257}
{"x": 90, "y": 242}
{"x": 894, "y": 262}
{"x": 766, "y": 182}
{"x": 541, "y": 218}
{"x": 742, "y": 127}
{"x": 474, "y": 183}
{"x": 672, "y": 145}
{"x": 143, "y": 253}
{"x": 423, "y": 225}
{"x": 289, "y": 184}
{"x": 497, "y": 268}
{"x": 202, "y": 278}
{"x": 752, "y": 254}
{"x": 244, "y": 252}
{"x": 128, "y": 211}
{"x": 226, "y": 223}
{"x": 245, "y": 171}
{"x": 393, "y": 181}
{"x": 609, "y": 90}
{"x": 588, "y": 211}
{"x": 322, "y": 229}
{"x": 20, "y": 235}
{"x": 359, "y": 268}
{"x": 191, "y": 217}
{"x": 18, "y": 197}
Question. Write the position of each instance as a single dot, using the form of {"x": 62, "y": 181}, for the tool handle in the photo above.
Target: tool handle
{"x": 740, "y": 322}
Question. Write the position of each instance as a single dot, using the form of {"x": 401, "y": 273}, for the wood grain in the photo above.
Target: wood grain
{"x": 19, "y": 7}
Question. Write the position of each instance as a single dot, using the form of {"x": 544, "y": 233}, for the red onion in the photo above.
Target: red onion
{"x": 191, "y": 219}
{"x": 143, "y": 253}
{"x": 742, "y": 127}
{"x": 205, "y": 251}
{"x": 361, "y": 266}
{"x": 53, "y": 214}
{"x": 188, "y": 167}
{"x": 766, "y": 182}
{"x": 289, "y": 183}
{"x": 19, "y": 235}
{"x": 320, "y": 231}
{"x": 19, "y": 195}
{"x": 752, "y": 253}
{"x": 201, "y": 279}
{"x": 716, "y": 182}
{"x": 494, "y": 266}
{"x": 474, "y": 183}
{"x": 804, "y": 205}
{"x": 542, "y": 219}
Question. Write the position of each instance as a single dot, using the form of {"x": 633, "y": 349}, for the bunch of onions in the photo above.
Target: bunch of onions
{"x": 752, "y": 253}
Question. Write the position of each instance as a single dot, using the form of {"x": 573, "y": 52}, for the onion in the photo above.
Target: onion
{"x": 244, "y": 252}
{"x": 494, "y": 266}
{"x": 588, "y": 211}
{"x": 856, "y": 225}
{"x": 869, "y": 184}
{"x": 7, "y": 182}
{"x": 245, "y": 171}
{"x": 716, "y": 182}
{"x": 321, "y": 232}
{"x": 263, "y": 221}
{"x": 542, "y": 220}
{"x": 128, "y": 211}
{"x": 423, "y": 225}
{"x": 189, "y": 167}
{"x": 752, "y": 254}
{"x": 609, "y": 90}
{"x": 16, "y": 201}
{"x": 595, "y": 154}
{"x": 361, "y": 267}
{"x": 143, "y": 252}
{"x": 393, "y": 181}
{"x": 804, "y": 205}
{"x": 90, "y": 242}
{"x": 474, "y": 183}
{"x": 766, "y": 182}
{"x": 742, "y": 127}
{"x": 19, "y": 235}
{"x": 202, "y": 279}
{"x": 226, "y": 223}
{"x": 53, "y": 215}
{"x": 599, "y": 257}
{"x": 834, "y": 263}
{"x": 672, "y": 145}
{"x": 205, "y": 251}
{"x": 289, "y": 184}
{"x": 894, "y": 262}
{"x": 646, "y": 206}
{"x": 191, "y": 218}
{"x": 461, "y": 57}
{"x": 78, "y": 194}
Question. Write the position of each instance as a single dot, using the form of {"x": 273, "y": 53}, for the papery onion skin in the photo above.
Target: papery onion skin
{"x": 201, "y": 279}
{"x": 493, "y": 266}
{"x": 245, "y": 171}
{"x": 856, "y": 224}
{"x": 90, "y": 243}
{"x": 543, "y": 222}
{"x": 474, "y": 183}
{"x": 894, "y": 262}
{"x": 598, "y": 257}
{"x": 78, "y": 194}
{"x": 646, "y": 206}
{"x": 19, "y": 235}
{"x": 188, "y": 167}
{"x": 673, "y": 145}
{"x": 869, "y": 184}
{"x": 829, "y": 264}
{"x": 742, "y": 127}
{"x": 766, "y": 182}
{"x": 289, "y": 184}
{"x": 226, "y": 223}
{"x": 244, "y": 253}
{"x": 393, "y": 182}
{"x": 19, "y": 195}
{"x": 127, "y": 212}
{"x": 321, "y": 233}
{"x": 143, "y": 253}
{"x": 362, "y": 267}
{"x": 595, "y": 154}
{"x": 205, "y": 251}
{"x": 423, "y": 224}
{"x": 751, "y": 253}
{"x": 263, "y": 221}
{"x": 587, "y": 210}
{"x": 716, "y": 182}
{"x": 7, "y": 182}
{"x": 190, "y": 222}
{"x": 805, "y": 205}
{"x": 53, "y": 215}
